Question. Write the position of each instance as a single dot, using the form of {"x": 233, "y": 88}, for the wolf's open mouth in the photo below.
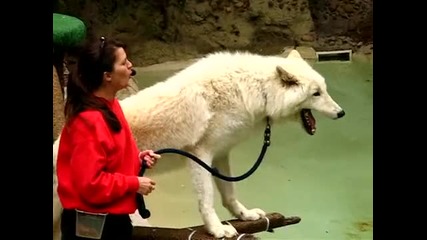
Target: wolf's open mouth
{"x": 308, "y": 121}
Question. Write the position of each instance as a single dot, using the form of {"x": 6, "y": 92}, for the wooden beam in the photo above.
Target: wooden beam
{"x": 246, "y": 229}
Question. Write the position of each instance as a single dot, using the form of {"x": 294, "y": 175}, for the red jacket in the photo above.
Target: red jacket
{"x": 96, "y": 168}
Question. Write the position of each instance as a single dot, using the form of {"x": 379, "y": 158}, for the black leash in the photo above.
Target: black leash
{"x": 145, "y": 213}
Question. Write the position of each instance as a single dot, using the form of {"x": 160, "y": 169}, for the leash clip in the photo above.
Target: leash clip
{"x": 267, "y": 133}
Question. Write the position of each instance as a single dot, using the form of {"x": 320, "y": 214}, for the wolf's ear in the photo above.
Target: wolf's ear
{"x": 287, "y": 78}
{"x": 294, "y": 54}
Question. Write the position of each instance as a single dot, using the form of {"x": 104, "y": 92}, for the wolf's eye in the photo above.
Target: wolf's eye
{"x": 316, "y": 94}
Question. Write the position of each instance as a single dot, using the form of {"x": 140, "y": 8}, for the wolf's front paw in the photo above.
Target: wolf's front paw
{"x": 252, "y": 214}
{"x": 221, "y": 231}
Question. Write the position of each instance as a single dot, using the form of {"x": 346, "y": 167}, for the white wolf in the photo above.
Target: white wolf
{"x": 212, "y": 105}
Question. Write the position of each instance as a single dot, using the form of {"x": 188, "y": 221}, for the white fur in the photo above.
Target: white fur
{"x": 212, "y": 105}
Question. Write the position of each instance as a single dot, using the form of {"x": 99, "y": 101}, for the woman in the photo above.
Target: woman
{"x": 98, "y": 159}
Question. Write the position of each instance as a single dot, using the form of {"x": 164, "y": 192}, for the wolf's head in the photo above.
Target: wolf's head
{"x": 299, "y": 90}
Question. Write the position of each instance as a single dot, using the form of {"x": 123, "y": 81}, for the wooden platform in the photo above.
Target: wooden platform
{"x": 246, "y": 229}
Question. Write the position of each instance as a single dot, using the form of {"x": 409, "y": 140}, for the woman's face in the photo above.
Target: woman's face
{"x": 122, "y": 70}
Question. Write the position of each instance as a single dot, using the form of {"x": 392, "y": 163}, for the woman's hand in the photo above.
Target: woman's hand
{"x": 146, "y": 185}
{"x": 149, "y": 157}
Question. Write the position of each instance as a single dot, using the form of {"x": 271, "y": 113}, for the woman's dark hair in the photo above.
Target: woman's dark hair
{"x": 94, "y": 58}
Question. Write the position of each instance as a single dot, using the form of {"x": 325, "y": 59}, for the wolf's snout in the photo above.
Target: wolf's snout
{"x": 341, "y": 114}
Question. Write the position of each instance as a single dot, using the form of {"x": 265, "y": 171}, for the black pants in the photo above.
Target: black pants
{"x": 117, "y": 227}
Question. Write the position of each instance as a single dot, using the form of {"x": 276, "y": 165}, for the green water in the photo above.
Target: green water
{"x": 326, "y": 179}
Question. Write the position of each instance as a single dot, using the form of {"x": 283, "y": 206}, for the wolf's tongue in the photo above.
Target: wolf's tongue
{"x": 309, "y": 121}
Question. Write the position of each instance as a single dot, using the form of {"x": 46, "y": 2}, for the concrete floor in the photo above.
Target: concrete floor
{"x": 326, "y": 179}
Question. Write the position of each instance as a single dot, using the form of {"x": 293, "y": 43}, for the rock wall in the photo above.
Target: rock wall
{"x": 163, "y": 30}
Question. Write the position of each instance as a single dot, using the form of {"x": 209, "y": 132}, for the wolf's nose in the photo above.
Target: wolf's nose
{"x": 341, "y": 114}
